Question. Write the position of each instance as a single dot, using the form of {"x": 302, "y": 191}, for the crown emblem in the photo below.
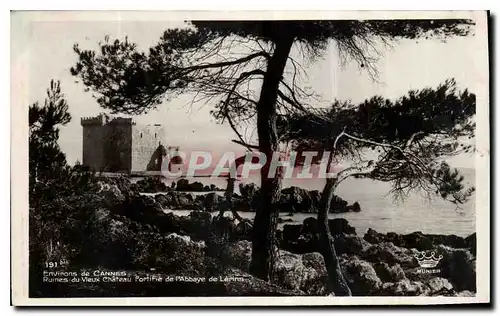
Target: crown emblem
{"x": 428, "y": 261}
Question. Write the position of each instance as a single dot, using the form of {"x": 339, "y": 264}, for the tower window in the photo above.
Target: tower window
{"x": 141, "y": 135}
{"x": 155, "y": 135}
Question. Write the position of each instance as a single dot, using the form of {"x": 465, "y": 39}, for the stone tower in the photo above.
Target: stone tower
{"x": 120, "y": 145}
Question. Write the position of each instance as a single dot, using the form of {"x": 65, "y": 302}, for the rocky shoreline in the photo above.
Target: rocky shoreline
{"x": 179, "y": 197}
{"x": 376, "y": 264}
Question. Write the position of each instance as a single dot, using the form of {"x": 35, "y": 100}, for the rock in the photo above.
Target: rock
{"x": 198, "y": 224}
{"x": 291, "y": 273}
{"x": 439, "y": 286}
{"x": 389, "y": 273}
{"x": 360, "y": 276}
{"x": 470, "y": 241}
{"x": 165, "y": 201}
{"x": 295, "y": 200}
{"x": 465, "y": 294}
{"x": 143, "y": 204}
{"x": 373, "y": 236}
{"x": 417, "y": 240}
{"x": 338, "y": 205}
{"x": 453, "y": 241}
{"x": 310, "y": 226}
{"x": 303, "y": 273}
{"x": 317, "y": 285}
{"x": 391, "y": 254}
{"x": 404, "y": 287}
{"x": 458, "y": 266}
{"x": 248, "y": 191}
{"x": 349, "y": 244}
{"x": 184, "y": 185}
{"x": 211, "y": 201}
{"x": 184, "y": 201}
{"x": 291, "y": 232}
{"x": 151, "y": 185}
{"x": 340, "y": 226}
{"x": 197, "y": 186}
{"x": 354, "y": 208}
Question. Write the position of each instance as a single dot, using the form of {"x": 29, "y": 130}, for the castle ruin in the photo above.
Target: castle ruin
{"x": 120, "y": 145}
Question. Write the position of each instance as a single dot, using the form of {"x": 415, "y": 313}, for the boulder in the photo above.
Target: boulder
{"x": 349, "y": 244}
{"x": 151, "y": 185}
{"x": 211, "y": 202}
{"x": 338, "y": 205}
{"x": 301, "y": 273}
{"x": 184, "y": 185}
{"x": 198, "y": 224}
{"x": 340, "y": 226}
{"x": 165, "y": 201}
{"x": 143, "y": 204}
{"x": 391, "y": 254}
{"x": 360, "y": 276}
{"x": 248, "y": 191}
{"x": 291, "y": 232}
{"x": 373, "y": 237}
{"x": 389, "y": 273}
{"x": 293, "y": 273}
{"x": 404, "y": 287}
{"x": 354, "y": 207}
{"x": 416, "y": 240}
{"x": 439, "y": 286}
{"x": 310, "y": 226}
{"x": 295, "y": 200}
{"x": 452, "y": 241}
{"x": 470, "y": 241}
{"x": 458, "y": 266}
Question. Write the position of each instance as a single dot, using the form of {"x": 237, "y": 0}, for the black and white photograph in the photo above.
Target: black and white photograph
{"x": 199, "y": 157}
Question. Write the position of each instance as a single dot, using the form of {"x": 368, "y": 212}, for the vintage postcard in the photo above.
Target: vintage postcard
{"x": 250, "y": 158}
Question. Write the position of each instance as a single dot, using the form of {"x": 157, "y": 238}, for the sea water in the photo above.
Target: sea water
{"x": 379, "y": 209}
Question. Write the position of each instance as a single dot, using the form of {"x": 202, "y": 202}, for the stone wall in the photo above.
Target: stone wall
{"x": 145, "y": 141}
{"x": 120, "y": 145}
{"x": 93, "y": 144}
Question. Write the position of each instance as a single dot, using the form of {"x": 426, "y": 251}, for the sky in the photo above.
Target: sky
{"x": 407, "y": 65}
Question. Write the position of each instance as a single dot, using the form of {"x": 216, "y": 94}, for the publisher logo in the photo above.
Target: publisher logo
{"x": 428, "y": 262}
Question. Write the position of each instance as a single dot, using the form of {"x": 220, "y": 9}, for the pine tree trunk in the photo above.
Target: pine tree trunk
{"x": 336, "y": 281}
{"x": 266, "y": 217}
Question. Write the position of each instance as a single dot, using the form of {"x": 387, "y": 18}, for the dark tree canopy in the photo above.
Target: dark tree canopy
{"x": 45, "y": 156}
{"x": 407, "y": 138}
